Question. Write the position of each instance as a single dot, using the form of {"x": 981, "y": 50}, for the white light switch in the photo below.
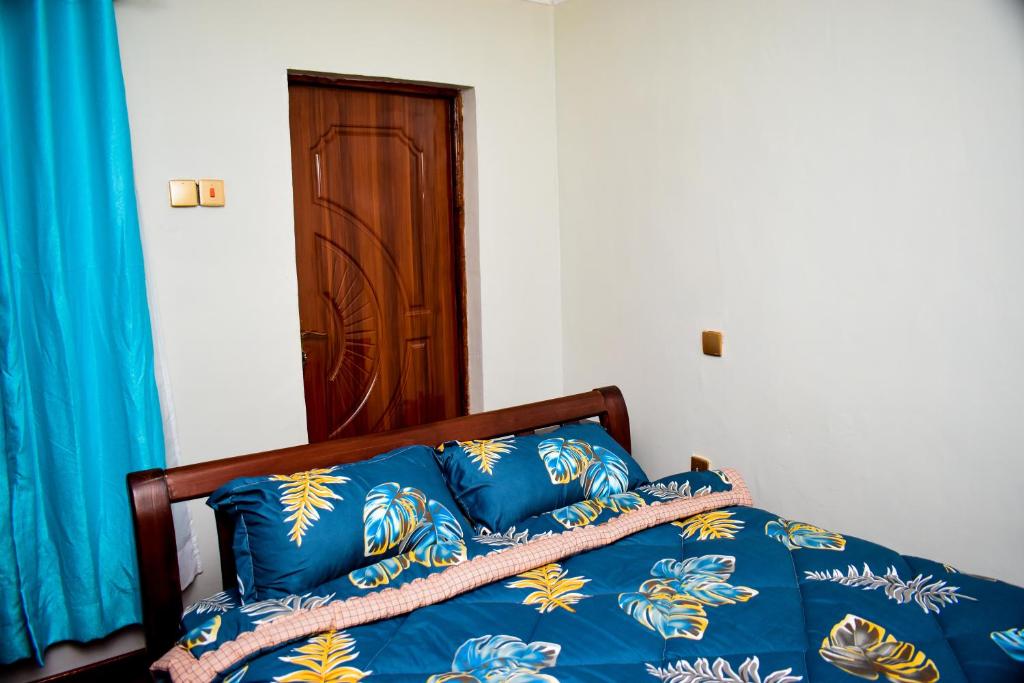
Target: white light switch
{"x": 182, "y": 192}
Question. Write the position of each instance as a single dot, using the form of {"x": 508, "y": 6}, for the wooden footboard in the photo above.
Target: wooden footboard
{"x": 151, "y": 492}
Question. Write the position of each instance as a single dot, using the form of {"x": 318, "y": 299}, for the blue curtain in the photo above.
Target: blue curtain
{"x": 79, "y": 401}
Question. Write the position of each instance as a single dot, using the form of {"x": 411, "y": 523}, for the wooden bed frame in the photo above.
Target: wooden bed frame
{"x": 151, "y": 492}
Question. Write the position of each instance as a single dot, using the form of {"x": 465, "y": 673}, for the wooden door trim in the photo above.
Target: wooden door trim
{"x": 460, "y": 276}
{"x": 453, "y": 94}
{"x": 396, "y": 86}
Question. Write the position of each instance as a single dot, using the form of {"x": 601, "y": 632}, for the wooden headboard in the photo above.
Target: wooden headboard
{"x": 151, "y": 492}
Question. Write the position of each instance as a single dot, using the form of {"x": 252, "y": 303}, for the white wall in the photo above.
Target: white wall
{"x": 207, "y": 97}
{"x": 225, "y": 279}
{"x": 839, "y": 186}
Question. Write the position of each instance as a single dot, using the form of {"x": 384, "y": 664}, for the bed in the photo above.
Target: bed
{"x": 616, "y": 578}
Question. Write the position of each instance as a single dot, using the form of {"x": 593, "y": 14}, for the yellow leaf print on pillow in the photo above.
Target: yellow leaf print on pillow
{"x": 321, "y": 660}
{"x": 862, "y": 648}
{"x": 303, "y": 494}
{"x": 485, "y": 453}
{"x": 552, "y": 588}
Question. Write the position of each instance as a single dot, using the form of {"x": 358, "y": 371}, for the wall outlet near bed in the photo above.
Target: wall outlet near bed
{"x": 711, "y": 342}
{"x": 698, "y": 463}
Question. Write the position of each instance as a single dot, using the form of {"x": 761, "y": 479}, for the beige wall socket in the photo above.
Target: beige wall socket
{"x": 211, "y": 192}
{"x": 698, "y": 463}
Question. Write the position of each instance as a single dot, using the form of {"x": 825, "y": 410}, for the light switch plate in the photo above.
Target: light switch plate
{"x": 183, "y": 192}
{"x": 211, "y": 192}
{"x": 711, "y": 341}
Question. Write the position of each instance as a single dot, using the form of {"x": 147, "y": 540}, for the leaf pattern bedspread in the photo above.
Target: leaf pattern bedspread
{"x": 731, "y": 594}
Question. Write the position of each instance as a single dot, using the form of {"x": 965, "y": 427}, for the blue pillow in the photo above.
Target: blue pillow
{"x": 294, "y": 532}
{"x": 499, "y": 482}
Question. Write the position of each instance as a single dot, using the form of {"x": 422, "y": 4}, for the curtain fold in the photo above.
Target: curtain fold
{"x": 79, "y": 401}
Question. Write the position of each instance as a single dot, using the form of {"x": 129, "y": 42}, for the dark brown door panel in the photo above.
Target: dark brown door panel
{"x": 378, "y": 253}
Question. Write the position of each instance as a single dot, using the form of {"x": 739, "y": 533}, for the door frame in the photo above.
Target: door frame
{"x": 453, "y": 94}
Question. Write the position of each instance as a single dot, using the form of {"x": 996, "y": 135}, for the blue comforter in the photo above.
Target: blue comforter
{"x": 734, "y": 594}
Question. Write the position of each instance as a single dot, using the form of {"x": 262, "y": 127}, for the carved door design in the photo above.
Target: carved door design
{"x": 378, "y": 254}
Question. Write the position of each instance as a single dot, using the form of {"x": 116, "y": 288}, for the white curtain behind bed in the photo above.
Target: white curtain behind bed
{"x": 189, "y": 563}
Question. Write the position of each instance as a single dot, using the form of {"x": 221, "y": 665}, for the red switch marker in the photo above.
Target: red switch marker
{"x": 211, "y": 191}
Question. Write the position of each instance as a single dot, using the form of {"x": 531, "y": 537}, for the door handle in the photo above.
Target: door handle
{"x": 310, "y": 334}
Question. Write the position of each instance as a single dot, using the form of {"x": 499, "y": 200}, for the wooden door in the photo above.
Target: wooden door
{"x": 379, "y": 255}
